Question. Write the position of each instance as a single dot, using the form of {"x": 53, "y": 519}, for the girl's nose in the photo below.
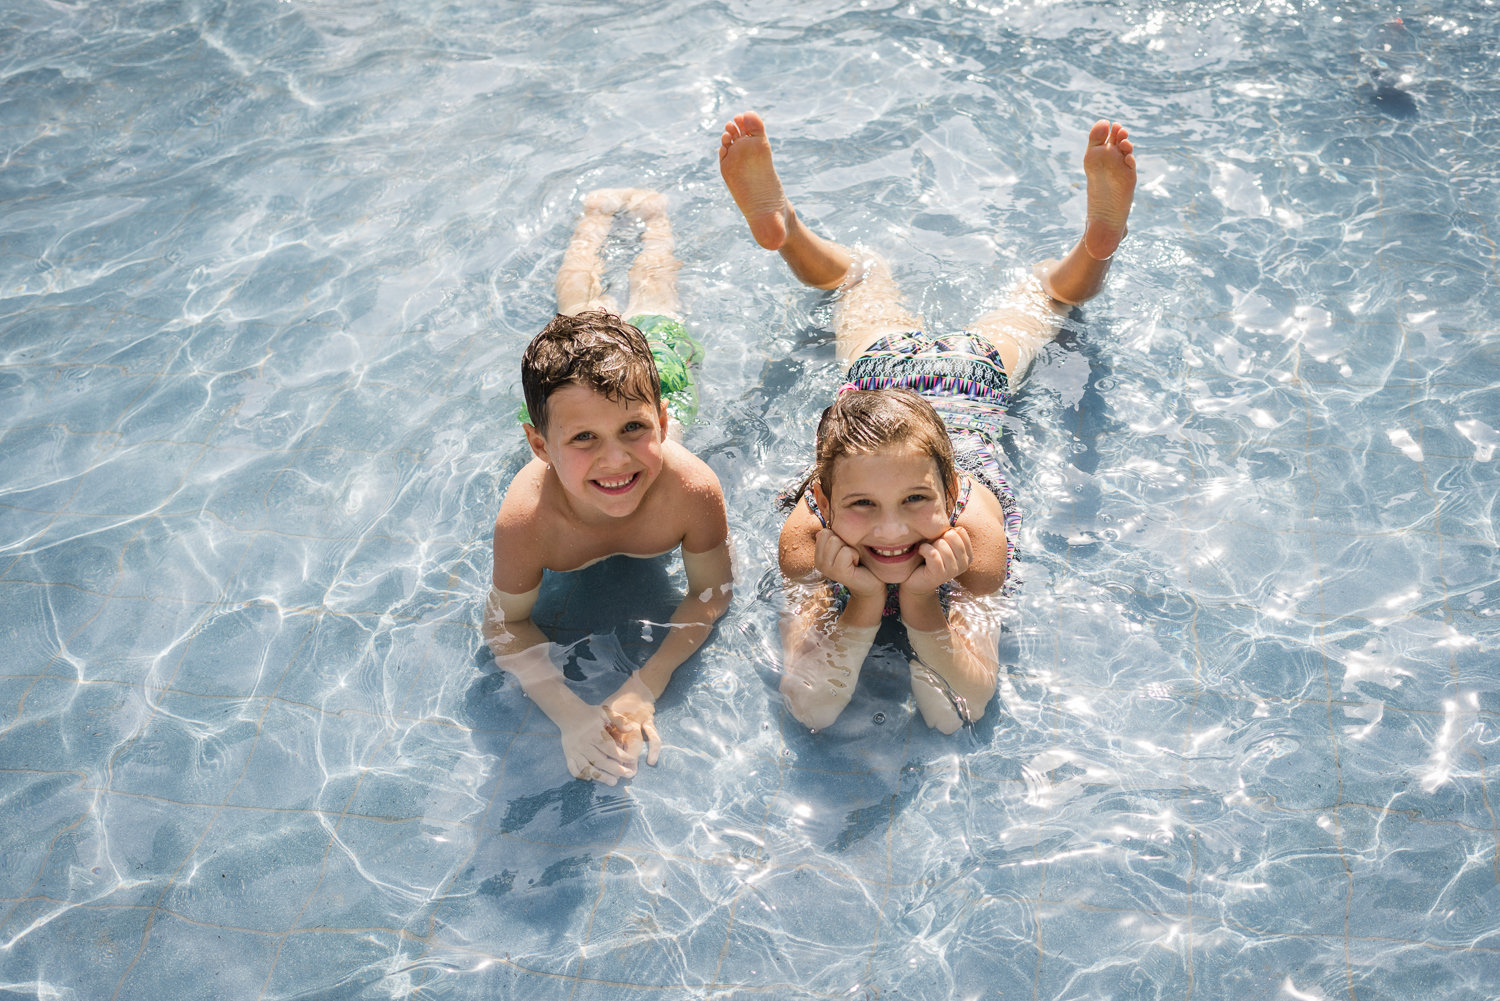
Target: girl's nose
{"x": 890, "y": 526}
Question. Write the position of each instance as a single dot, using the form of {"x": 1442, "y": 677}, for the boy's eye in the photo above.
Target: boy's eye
{"x": 584, "y": 436}
{"x": 634, "y": 426}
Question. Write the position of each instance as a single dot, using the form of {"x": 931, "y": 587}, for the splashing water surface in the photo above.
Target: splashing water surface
{"x": 267, "y": 272}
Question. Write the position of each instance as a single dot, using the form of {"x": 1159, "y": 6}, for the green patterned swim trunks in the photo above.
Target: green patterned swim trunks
{"x": 674, "y": 349}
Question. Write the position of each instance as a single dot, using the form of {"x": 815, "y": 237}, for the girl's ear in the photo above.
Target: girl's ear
{"x": 537, "y": 442}
{"x": 823, "y": 505}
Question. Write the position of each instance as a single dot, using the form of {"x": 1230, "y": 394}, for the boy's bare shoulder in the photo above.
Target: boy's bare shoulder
{"x": 694, "y": 496}
{"x": 521, "y": 531}
{"x": 522, "y": 506}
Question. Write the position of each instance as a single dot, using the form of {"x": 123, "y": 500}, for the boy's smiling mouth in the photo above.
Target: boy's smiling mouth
{"x": 616, "y": 484}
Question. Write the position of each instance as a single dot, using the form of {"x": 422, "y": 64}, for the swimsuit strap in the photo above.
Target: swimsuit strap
{"x": 812, "y": 505}
{"x": 963, "y": 499}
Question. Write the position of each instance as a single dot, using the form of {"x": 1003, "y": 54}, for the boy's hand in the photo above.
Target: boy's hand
{"x": 943, "y": 559}
{"x": 593, "y": 741}
{"x": 840, "y": 563}
{"x": 634, "y": 703}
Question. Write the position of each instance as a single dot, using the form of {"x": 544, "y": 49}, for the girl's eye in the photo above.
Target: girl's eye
{"x": 916, "y": 498}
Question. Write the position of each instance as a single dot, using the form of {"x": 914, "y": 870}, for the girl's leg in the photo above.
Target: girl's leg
{"x": 869, "y": 309}
{"x": 1033, "y": 315}
{"x": 1022, "y": 327}
{"x": 870, "y": 306}
{"x": 745, "y": 163}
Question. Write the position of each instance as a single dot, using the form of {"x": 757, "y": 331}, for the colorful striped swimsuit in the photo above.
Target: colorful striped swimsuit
{"x": 963, "y": 378}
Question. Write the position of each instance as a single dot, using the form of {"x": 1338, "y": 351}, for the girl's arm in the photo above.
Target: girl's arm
{"x": 824, "y": 647}
{"x": 953, "y": 677}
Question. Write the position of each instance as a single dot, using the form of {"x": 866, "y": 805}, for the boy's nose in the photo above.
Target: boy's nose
{"x": 615, "y": 454}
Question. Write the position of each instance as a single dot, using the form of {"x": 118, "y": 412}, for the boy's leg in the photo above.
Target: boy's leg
{"x": 653, "y": 276}
{"x": 578, "y": 285}
{"x": 1034, "y": 313}
{"x": 870, "y": 306}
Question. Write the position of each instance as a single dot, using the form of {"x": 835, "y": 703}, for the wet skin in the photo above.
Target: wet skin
{"x": 605, "y": 453}
{"x": 889, "y": 515}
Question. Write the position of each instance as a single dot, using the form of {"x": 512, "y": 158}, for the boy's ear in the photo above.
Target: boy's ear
{"x": 661, "y": 420}
{"x": 537, "y": 442}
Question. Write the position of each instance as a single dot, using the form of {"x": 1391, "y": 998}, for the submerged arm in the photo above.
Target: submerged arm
{"x": 954, "y": 675}
{"x": 824, "y": 647}
{"x": 710, "y": 586}
{"x": 590, "y": 741}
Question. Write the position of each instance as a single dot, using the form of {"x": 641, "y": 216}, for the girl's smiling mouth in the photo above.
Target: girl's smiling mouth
{"x": 616, "y": 485}
{"x": 900, "y": 555}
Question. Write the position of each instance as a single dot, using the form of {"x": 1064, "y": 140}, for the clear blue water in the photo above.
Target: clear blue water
{"x": 266, "y": 271}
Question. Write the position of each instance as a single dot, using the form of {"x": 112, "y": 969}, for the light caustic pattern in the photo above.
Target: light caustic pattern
{"x": 267, "y": 272}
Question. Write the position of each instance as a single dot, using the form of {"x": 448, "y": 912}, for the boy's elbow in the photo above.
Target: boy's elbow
{"x": 713, "y": 602}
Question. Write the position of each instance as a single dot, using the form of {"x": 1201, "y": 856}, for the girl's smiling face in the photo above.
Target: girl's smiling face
{"x": 885, "y": 504}
{"x": 606, "y": 453}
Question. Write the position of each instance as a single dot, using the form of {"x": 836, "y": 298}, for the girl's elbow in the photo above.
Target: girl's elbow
{"x": 812, "y": 709}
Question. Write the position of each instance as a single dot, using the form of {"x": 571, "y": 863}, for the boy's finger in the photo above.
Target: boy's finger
{"x": 653, "y": 746}
{"x": 614, "y": 753}
{"x": 609, "y": 767}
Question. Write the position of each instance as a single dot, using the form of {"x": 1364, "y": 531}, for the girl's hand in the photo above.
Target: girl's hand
{"x": 943, "y": 559}
{"x": 840, "y": 563}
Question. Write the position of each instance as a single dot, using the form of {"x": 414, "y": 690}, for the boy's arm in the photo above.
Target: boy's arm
{"x": 710, "y": 584}
{"x": 589, "y": 734}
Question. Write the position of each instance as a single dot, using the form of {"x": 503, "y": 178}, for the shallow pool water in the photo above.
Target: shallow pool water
{"x": 266, "y": 271}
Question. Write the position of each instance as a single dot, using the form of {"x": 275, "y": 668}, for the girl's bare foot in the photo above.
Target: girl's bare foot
{"x": 1109, "y": 165}
{"x": 745, "y": 162}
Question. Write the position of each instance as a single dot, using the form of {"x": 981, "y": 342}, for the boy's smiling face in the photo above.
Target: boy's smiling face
{"x": 605, "y": 453}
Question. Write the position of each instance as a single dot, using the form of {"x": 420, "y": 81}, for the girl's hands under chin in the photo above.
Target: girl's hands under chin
{"x": 943, "y": 559}
{"x": 840, "y": 563}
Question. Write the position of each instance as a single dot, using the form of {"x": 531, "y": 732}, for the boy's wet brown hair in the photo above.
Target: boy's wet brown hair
{"x": 870, "y": 420}
{"x": 596, "y": 350}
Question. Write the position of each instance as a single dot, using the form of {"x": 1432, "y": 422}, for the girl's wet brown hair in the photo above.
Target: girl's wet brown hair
{"x": 595, "y": 349}
{"x": 870, "y": 420}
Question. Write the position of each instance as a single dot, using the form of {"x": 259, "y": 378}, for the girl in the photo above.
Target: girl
{"x": 906, "y": 512}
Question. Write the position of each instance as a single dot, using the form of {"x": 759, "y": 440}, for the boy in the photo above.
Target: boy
{"x": 606, "y": 479}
